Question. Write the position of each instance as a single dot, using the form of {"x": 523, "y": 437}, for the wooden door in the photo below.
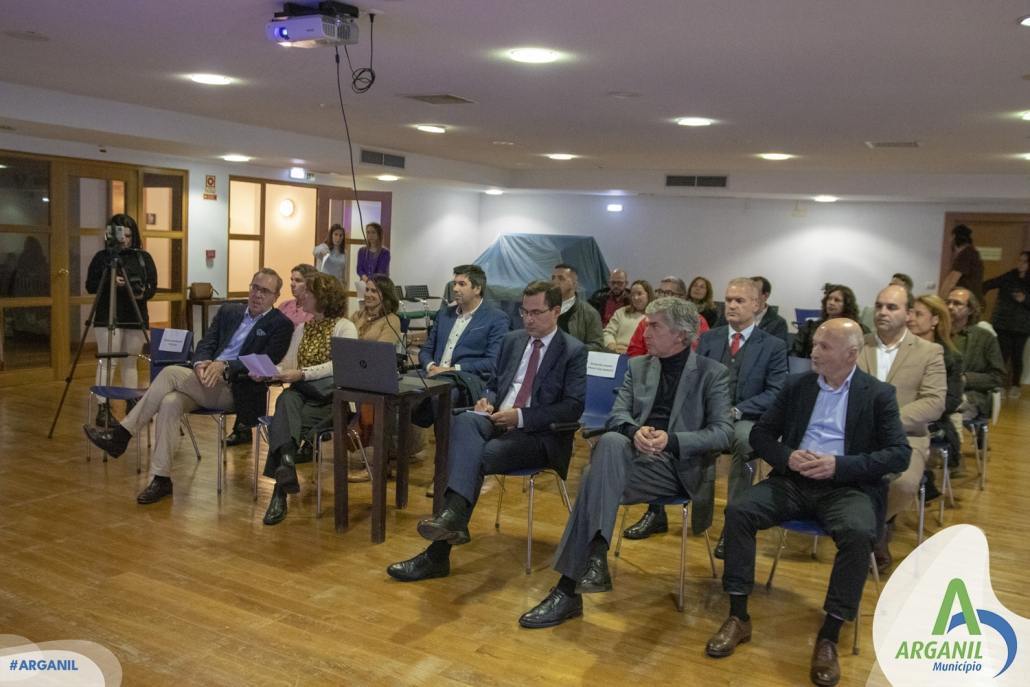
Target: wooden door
{"x": 1000, "y": 238}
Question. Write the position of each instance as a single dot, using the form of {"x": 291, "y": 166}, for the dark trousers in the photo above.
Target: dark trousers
{"x": 479, "y": 449}
{"x": 1012, "y": 345}
{"x": 294, "y": 419}
{"x": 846, "y": 513}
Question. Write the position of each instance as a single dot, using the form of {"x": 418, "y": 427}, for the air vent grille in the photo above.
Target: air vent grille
{"x": 692, "y": 181}
{"x": 892, "y": 144}
{"x": 374, "y": 157}
{"x": 441, "y": 99}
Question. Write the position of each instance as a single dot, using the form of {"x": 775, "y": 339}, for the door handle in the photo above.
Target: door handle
{"x": 62, "y": 272}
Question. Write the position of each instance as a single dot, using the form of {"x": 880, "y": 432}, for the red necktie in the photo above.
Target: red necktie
{"x": 526, "y": 390}
{"x": 735, "y": 344}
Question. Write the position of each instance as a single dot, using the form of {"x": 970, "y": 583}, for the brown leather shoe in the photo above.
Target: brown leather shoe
{"x": 825, "y": 670}
{"x": 733, "y": 632}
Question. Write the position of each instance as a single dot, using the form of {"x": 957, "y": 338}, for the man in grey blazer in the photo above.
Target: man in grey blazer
{"x": 757, "y": 363}
{"x": 670, "y": 419}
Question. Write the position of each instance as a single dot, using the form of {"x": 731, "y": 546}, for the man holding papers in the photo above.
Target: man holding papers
{"x": 541, "y": 379}
{"x": 218, "y": 380}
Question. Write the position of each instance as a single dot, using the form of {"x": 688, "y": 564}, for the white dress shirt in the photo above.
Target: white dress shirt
{"x": 567, "y": 305}
{"x": 744, "y": 333}
{"x": 885, "y": 355}
{"x": 460, "y": 324}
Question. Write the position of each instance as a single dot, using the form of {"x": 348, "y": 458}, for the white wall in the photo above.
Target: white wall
{"x": 857, "y": 244}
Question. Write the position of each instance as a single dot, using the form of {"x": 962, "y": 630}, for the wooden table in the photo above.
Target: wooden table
{"x": 204, "y": 304}
{"x": 410, "y": 394}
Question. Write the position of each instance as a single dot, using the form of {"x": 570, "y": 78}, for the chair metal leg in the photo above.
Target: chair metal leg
{"x": 316, "y": 459}
{"x": 89, "y": 413}
{"x": 875, "y": 570}
{"x": 815, "y": 547}
{"x": 256, "y": 449}
{"x": 711, "y": 558}
{"x": 529, "y": 525}
{"x": 983, "y": 452}
{"x": 922, "y": 514}
{"x": 139, "y": 454}
{"x": 564, "y": 493}
{"x": 683, "y": 557}
{"x": 220, "y": 451}
{"x": 193, "y": 438}
{"x": 500, "y": 498}
{"x": 622, "y": 526}
{"x": 858, "y": 617}
{"x": 776, "y": 560}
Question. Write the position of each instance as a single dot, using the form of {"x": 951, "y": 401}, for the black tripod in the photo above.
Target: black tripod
{"x": 115, "y": 267}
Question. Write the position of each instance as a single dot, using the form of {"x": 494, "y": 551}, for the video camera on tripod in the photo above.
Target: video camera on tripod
{"x": 114, "y": 242}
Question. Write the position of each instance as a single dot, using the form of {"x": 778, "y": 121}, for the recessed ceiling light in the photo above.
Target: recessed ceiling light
{"x": 775, "y": 157}
{"x": 534, "y": 55}
{"x": 561, "y": 156}
{"x": 235, "y": 157}
{"x": 825, "y": 199}
{"x": 1025, "y": 116}
{"x": 431, "y": 128}
{"x": 45, "y": 199}
{"x": 503, "y": 143}
{"x": 1025, "y": 21}
{"x": 1025, "y": 156}
{"x": 493, "y": 192}
{"x": 298, "y": 173}
{"x": 211, "y": 79}
{"x": 695, "y": 121}
{"x": 3, "y": 166}
{"x": 388, "y": 177}
{"x": 613, "y": 207}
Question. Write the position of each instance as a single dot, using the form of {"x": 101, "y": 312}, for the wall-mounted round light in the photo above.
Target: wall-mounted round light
{"x": 286, "y": 207}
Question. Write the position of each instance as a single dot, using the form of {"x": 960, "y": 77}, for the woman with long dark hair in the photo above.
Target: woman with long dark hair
{"x": 701, "y": 295}
{"x": 838, "y": 301}
{"x": 373, "y": 258}
{"x": 127, "y": 335}
{"x": 331, "y": 254}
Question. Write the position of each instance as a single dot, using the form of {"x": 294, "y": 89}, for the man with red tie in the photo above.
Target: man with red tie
{"x": 541, "y": 379}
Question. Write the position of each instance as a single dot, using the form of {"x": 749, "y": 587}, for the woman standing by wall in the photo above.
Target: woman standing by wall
{"x": 331, "y": 254}
{"x": 374, "y": 258}
{"x": 1011, "y": 317}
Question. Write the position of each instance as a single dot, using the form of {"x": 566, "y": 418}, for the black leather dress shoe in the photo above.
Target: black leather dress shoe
{"x": 239, "y": 437}
{"x": 555, "y": 609}
{"x": 448, "y": 526}
{"x": 653, "y": 522}
{"x": 276, "y": 512}
{"x": 286, "y": 474}
{"x": 114, "y": 441}
{"x": 596, "y": 578}
{"x": 421, "y": 567}
{"x": 720, "y": 548}
{"x": 158, "y": 488}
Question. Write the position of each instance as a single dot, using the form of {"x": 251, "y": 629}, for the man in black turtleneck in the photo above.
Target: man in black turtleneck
{"x": 670, "y": 419}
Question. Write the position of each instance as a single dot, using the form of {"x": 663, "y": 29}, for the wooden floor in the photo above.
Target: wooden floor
{"x": 195, "y": 590}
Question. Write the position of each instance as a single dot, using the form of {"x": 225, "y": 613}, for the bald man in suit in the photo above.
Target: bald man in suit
{"x": 915, "y": 368}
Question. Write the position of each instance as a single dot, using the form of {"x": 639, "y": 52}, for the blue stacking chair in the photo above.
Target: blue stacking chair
{"x": 158, "y": 360}
{"x": 812, "y": 528}
{"x": 601, "y": 393}
{"x": 530, "y": 475}
{"x": 803, "y": 315}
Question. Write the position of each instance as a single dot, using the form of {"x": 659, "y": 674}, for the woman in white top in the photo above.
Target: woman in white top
{"x": 620, "y": 328}
{"x": 308, "y": 368}
{"x": 331, "y": 254}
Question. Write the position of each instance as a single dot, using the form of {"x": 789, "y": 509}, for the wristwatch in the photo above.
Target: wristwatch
{"x": 735, "y": 412}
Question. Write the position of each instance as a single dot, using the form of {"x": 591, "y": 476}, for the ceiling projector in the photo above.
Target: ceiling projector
{"x": 299, "y": 26}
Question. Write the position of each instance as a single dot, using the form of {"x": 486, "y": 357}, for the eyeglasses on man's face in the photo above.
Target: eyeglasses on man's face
{"x": 666, "y": 292}
{"x": 257, "y": 288}
{"x": 527, "y": 314}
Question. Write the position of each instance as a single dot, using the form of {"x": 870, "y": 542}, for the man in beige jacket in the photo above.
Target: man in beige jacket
{"x": 915, "y": 368}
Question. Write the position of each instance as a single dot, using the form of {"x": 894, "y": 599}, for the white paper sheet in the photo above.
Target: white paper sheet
{"x": 173, "y": 340}
{"x": 259, "y": 364}
{"x": 601, "y": 364}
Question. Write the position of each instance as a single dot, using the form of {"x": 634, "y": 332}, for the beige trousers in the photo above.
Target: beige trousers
{"x": 173, "y": 393}
{"x": 904, "y": 490}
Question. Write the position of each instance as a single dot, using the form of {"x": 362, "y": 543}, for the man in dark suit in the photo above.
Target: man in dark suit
{"x": 757, "y": 363}
{"x": 767, "y": 318}
{"x": 218, "y": 380}
{"x": 463, "y": 342}
{"x": 669, "y": 421}
{"x": 831, "y": 435}
{"x": 541, "y": 379}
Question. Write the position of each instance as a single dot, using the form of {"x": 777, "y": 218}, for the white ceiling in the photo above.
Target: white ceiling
{"x": 816, "y": 78}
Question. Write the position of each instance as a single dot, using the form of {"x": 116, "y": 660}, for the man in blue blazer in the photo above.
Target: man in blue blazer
{"x": 218, "y": 380}
{"x": 831, "y": 436}
{"x": 670, "y": 420}
{"x": 541, "y": 379}
{"x": 463, "y": 342}
{"x": 757, "y": 363}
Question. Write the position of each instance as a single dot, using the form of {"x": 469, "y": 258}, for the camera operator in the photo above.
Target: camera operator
{"x": 122, "y": 244}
